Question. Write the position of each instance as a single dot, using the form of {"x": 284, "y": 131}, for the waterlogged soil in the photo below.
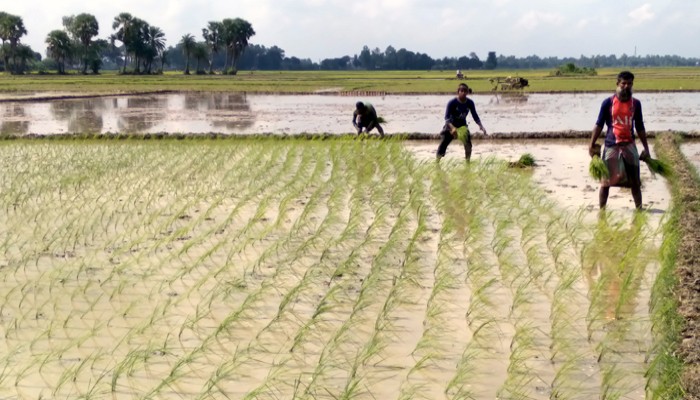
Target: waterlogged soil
{"x": 162, "y": 282}
{"x": 562, "y": 171}
{"x": 240, "y": 113}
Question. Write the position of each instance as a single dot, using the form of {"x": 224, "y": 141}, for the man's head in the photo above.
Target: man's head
{"x": 462, "y": 91}
{"x": 360, "y": 107}
{"x": 625, "y": 81}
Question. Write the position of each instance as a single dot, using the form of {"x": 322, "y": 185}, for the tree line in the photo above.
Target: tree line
{"x": 137, "y": 47}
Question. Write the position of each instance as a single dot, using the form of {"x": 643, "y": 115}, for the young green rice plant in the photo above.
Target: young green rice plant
{"x": 597, "y": 169}
{"x": 658, "y": 166}
{"x": 526, "y": 160}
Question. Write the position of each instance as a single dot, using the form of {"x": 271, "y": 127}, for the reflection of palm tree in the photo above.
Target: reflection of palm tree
{"x": 14, "y": 121}
{"x": 142, "y": 113}
{"x": 227, "y": 110}
{"x": 83, "y": 116}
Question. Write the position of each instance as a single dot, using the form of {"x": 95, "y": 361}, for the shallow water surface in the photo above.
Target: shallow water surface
{"x": 239, "y": 113}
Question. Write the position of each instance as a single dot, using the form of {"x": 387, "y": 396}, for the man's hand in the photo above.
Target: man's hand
{"x": 483, "y": 130}
{"x": 453, "y": 131}
{"x": 645, "y": 155}
{"x": 593, "y": 150}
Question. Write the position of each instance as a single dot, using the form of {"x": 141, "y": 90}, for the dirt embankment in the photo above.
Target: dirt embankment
{"x": 687, "y": 263}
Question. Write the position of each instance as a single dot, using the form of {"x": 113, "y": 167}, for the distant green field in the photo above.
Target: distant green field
{"x": 398, "y": 82}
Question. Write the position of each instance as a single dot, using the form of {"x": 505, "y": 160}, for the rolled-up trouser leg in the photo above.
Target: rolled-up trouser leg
{"x": 446, "y": 139}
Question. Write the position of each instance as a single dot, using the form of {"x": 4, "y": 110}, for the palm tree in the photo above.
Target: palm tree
{"x": 188, "y": 43}
{"x": 59, "y": 48}
{"x": 164, "y": 59}
{"x": 123, "y": 25}
{"x": 22, "y": 54}
{"x": 83, "y": 27}
{"x": 155, "y": 45}
{"x": 212, "y": 37}
{"x": 200, "y": 52}
{"x": 11, "y": 30}
{"x": 237, "y": 32}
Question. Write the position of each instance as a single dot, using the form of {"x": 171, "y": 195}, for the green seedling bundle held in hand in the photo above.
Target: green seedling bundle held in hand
{"x": 657, "y": 166}
{"x": 463, "y": 133}
{"x": 597, "y": 168}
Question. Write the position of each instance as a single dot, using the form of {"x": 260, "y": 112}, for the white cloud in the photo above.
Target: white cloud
{"x": 534, "y": 19}
{"x": 641, "y": 15}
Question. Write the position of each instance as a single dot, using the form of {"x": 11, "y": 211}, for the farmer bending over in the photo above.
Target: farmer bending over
{"x": 455, "y": 118}
{"x": 622, "y": 114}
{"x": 365, "y": 117}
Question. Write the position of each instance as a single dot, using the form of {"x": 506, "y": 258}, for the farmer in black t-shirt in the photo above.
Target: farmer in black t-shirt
{"x": 455, "y": 118}
{"x": 365, "y": 117}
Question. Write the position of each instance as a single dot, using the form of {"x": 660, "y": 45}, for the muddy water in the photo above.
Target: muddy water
{"x": 288, "y": 114}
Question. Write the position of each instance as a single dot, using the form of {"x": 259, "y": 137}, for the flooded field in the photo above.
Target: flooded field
{"x": 288, "y": 114}
{"x": 317, "y": 269}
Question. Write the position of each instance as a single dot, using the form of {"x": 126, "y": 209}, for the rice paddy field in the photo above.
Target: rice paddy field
{"x": 317, "y": 269}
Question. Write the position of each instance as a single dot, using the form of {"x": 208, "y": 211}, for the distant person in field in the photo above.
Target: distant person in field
{"x": 365, "y": 118}
{"x": 455, "y": 118}
{"x": 622, "y": 114}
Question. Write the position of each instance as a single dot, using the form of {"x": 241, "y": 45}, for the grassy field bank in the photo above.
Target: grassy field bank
{"x": 648, "y": 79}
{"x": 324, "y": 269}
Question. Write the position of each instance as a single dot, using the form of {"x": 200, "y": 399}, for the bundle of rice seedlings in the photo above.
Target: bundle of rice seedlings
{"x": 381, "y": 120}
{"x": 526, "y": 160}
{"x": 597, "y": 168}
{"x": 658, "y": 167}
{"x": 462, "y": 133}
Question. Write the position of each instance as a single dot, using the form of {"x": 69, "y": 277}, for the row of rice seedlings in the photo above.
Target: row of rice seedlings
{"x": 373, "y": 368}
{"x": 347, "y": 337}
{"x": 669, "y": 376}
{"x": 459, "y": 193}
{"x": 618, "y": 256}
{"x": 517, "y": 248}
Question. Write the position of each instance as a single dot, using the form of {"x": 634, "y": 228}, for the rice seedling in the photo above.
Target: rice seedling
{"x": 350, "y": 253}
{"x": 657, "y": 166}
{"x": 526, "y": 160}
{"x": 597, "y": 168}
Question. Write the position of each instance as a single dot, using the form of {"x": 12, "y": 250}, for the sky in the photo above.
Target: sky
{"x": 319, "y": 29}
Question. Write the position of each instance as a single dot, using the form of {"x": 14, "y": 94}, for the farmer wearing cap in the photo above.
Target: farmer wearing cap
{"x": 622, "y": 114}
{"x": 456, "y": 121}
{"x": 365, "y": 117}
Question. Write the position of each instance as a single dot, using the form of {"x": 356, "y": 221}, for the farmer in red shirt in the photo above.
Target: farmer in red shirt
{"x": 622, "y": 114}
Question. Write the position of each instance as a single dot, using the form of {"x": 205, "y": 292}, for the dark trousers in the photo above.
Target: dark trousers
{"x": 447, "y": 138}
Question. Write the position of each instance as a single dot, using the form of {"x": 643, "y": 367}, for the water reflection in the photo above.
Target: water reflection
{"x": 141, "y": 113}
{"x": 84, "y": 116}
{"x": 222, "y": 110}
{"x": 238, "y": 113}
{"x": 14, "y": 120}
